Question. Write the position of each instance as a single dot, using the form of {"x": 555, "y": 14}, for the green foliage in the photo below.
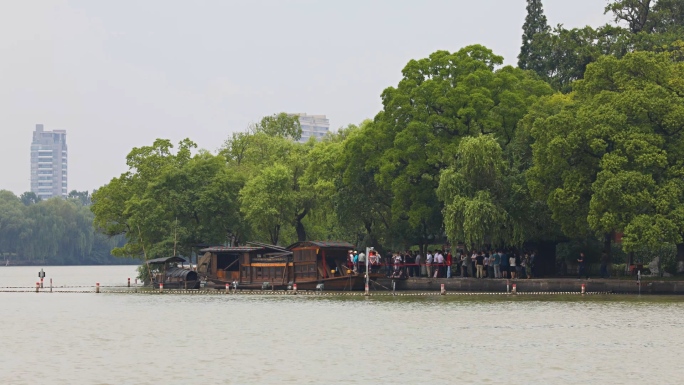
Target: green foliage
{"x": 608, "y": 156}
{"x": 267, "y": 200}
{"x": 54, "y": 231}
{"x": 473, "y": 191}
{"x": 280, "y": 125}
{"x": 439, "y": 101}
{"x": 464, "y": 149}
{"x": 533, "y": 52}
{"x": 170, "y": 202}
{"x": 29, "y": 197}
{"x": 561, "y": 56}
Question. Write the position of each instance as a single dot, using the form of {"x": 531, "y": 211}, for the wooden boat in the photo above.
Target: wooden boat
{"x": 166, "y": 271}
{"x": 261, "y": 266}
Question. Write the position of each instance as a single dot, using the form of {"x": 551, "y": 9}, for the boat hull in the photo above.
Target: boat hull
{"x": 349, "y": 283}
{"x": 179, "y": 285}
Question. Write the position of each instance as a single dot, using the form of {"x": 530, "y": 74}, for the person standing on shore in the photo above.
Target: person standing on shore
{"x": 472, "y": 266}
{"x": 439, "y": 263}
{"x": 417, "y": 267}
{"x": 362, "y": 261}
{"x": 465, "y": 261}
{"x": 497, "y": 263}
{"x": 504, "y": 265}
{"x": 428, "y": 263}
{"x": 479, "y": 264}
{"x": 582, "y": 268}
{"x": 511, "y": 263}
{"x": 449, "y": 262}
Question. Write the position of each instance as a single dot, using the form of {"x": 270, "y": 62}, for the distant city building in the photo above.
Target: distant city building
{"x": 313, "y": 125}
{"x": 49, "y": 163}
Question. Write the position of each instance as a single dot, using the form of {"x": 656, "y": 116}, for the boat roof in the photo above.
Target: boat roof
{"x": 228, "y": 249}
{"x": 167, "y": 259}
{"x": 245, "y": 249}
{"x": 322, "y": 244}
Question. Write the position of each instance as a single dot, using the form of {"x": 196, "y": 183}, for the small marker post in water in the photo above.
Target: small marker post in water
{"x": 515, "y": 290}
{"x": 129, "y": 282}
{"x": 367, "y": 291}
{"x": 50, "y": 285}
{"x": 161, "y": 287}
{"x": 508, "y": 289}
{"x": 294, "y": 288}
{"x": 442, "y": 290}
{"x": 227, "y": 288}
{"x": 37, "y": 286}
{"x": 583, "y": 289}
{"x": 97, "y": 287}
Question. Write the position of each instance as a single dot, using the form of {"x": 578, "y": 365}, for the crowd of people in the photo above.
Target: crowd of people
{"x": 444, "y": 264}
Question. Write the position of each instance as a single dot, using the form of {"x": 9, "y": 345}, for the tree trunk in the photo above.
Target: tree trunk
{"x": 680, "y": 258}
{"x": 607, "y": 246}
{"x": 275, "y": 233}
{"x": 299, "y": 226}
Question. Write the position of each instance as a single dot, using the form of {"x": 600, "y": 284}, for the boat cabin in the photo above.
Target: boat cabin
{"x": 247, "y": 265}
{"x": 315, "y": 260}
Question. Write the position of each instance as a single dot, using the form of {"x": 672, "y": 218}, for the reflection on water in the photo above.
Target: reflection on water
{"x": 143, "y": 339}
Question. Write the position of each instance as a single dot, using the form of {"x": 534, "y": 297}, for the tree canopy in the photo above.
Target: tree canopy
{"x": 582, "y": 140}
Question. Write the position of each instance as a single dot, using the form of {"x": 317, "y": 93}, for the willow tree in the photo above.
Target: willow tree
{"x": 474, "y": 191}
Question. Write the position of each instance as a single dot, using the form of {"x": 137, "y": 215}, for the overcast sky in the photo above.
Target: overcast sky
{"x": 118, "y": 74}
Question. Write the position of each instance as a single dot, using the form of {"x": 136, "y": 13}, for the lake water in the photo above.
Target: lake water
{"x": 63, "y": 338}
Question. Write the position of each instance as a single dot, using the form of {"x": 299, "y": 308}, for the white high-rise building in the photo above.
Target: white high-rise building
{"x": 49, "y": 163}
{"x": 313, "y": 125}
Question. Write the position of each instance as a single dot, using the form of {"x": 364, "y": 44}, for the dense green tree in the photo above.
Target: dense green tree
{"x": 268, "y": 201}
{"x": 54, "y": 231}
{"x": 440, "y": 100}
{"x": 362, "y": 205}
{"x": 82, "y": 196}
{"x": 169, "y": 202}
{"x": 280, "y": 125}
{"x": 534, "y": 52}
{"x": 12, "y": 222}
{"x": 608, "y": 157}
{"x": 29, "y": 198}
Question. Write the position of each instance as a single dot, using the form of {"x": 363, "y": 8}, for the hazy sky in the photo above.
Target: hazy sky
{"x": 118, "y": 74}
